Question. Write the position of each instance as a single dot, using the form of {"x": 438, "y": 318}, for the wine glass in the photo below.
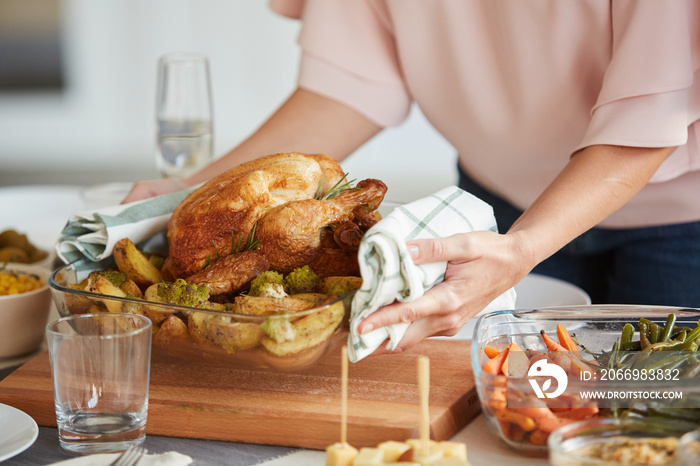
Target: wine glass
{"x": 184, "y": 115}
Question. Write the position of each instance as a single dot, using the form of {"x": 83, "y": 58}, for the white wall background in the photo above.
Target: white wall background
{"x": 102, "y": 127}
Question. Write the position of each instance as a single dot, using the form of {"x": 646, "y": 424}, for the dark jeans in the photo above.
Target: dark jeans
{"x": 650, "y": 265}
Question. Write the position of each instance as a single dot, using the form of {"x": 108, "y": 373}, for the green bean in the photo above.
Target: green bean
{"x": 690, "y": 346}
{"x": 633, "y": 346}
{"x": 694, "y": 335}
{"x": 673, "y": 345}
{"x": 670, "y": 322}
{"x": 644, "y": 335}
{"x": 645, "y": 321}
{"x": 626, "y": 337}
{"x": 655, "y": 333}
{"x": 678, "y": 330}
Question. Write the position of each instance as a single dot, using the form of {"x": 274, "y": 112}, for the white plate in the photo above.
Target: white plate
{"x": 536, "y": 291}
{"x": 18, "y": 431}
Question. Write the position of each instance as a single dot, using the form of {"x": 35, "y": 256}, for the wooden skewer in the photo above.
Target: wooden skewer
{"x": 424, "y": 390}
{"x": 344, "y": 396}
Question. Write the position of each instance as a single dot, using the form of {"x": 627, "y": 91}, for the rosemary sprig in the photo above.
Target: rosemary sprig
{"x": 234, "y": 243}
{"x": 340, "y": 187}
{"x": 252, "y": 243}
{"x": 206, "y": 264}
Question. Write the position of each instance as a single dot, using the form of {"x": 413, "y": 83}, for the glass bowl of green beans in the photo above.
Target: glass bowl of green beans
{"x": 538, "y": 370}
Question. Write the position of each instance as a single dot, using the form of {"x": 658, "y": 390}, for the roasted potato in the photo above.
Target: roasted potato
{"x": 309, "y": 331}
{"x": 76, "y": 303}
{"x": 171, "y": 331}
{"x": 314, "y": 299}
{"x": 221, "y": 331}
{"x": 99, "y": 284}
{"x": 131, "y": 261}
{"x": 339, "y": 286}
{"x": 157, "y": 314}
{"x": 131, "y": 288}
{"x": 261, "y": 305}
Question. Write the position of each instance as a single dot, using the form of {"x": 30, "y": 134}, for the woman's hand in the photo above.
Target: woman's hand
{"x": 145, "y": 189}
{"x": 481, "y": 266}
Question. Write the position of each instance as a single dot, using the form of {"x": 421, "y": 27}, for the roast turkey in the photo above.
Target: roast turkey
{"x": 273, "y": 213}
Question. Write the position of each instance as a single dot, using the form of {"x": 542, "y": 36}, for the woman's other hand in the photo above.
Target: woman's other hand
{"x": 481, "y": 266}
{"x": 145, "y": 189}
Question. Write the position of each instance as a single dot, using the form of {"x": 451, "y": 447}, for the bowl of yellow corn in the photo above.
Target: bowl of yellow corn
{"x": 25, "y": 303}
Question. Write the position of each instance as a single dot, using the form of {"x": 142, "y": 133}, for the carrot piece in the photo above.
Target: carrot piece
{"x": 579, "y": 413}
{"x": 494, "y": 365}
{"x": 551, "y": 344}
{"x": 565, "y": 339}
{"x": 524, "y": 422}
{"x": 490, "y": 351}
{"x": 517, "y": 434}
{"x": 500, "y": 381}
{"x": 545, "y": 419}
{"x": 539, "y": 437}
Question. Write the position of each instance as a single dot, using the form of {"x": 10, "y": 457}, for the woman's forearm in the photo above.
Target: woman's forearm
{"x": 596, "y": 182}
{"x": 307, "y": 122}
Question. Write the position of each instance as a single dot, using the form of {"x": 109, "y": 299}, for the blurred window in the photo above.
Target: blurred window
{"x": 30, "y": 45}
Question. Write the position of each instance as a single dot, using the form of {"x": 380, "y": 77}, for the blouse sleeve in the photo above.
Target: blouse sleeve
{"x": 349, "y": 55}
{"x": 651, "y": 90}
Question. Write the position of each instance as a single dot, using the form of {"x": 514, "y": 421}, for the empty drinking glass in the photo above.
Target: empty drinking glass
{"x": 100, "y": 365}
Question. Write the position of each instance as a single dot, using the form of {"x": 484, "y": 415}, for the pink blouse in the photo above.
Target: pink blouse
{"x": 518, "y": 86}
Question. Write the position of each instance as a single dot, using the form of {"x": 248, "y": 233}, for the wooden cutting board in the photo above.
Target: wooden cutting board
{"x": 300, "y": 409}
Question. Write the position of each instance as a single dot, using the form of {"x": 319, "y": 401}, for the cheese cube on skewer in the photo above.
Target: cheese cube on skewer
{"x": 393, "y": 450}
{"x": 340, "y": 454}
{"x": 417, "y": 443}
{"x": 369, "y": 457}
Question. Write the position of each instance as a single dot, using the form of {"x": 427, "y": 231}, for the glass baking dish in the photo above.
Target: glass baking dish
{"x": 208, "y": 335}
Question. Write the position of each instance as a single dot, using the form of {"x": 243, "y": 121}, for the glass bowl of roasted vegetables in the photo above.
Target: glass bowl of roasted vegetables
{"x": 540, "y": 370}
{"x": 281, "y": 322}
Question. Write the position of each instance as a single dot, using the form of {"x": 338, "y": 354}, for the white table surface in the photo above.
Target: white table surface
{"x": 41, "y": 212}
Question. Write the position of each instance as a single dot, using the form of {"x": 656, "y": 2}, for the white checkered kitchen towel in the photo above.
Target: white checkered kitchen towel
{"x": 388, "y": 272}
{"x": 92, "y": 234}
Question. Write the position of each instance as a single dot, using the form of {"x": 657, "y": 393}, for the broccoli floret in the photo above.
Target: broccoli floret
{"x": 262, "y": 280}
{"x": 271, "y": 290}
{"x": 183, "y": 293}
{"x": 301, "y": 280}
{"x": 279, "y": 329}
{"x": 116, "y": 277}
